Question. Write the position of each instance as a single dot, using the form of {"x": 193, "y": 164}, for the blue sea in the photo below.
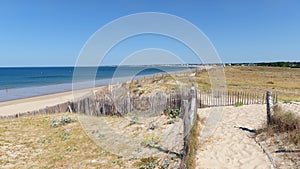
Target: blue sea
{"x": 16, "y": 82}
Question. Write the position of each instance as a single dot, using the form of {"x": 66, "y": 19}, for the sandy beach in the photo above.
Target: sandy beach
{"x": 14, "y": 107}
{"x": 232, "y": 146}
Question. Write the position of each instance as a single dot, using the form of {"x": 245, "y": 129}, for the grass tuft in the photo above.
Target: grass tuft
{"x": 194, "y": 143}
{"x": 287, "y": 122}
{"x": 147, "y": 163}
{"x": 284, "y": 122}
{"x": 238, "y": 104}
{"x": 150, "y": 140}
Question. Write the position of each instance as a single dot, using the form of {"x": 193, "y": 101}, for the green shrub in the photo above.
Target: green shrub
{"x": 150, "y": 140}
{"x": 165, "y": 164}
{"x": 171, "y": 113}
{"x": 133, "y": 120}
{"x": 64, "y": 136}
{"x": 62, "y": 121}
{"x": 237, "y": 104}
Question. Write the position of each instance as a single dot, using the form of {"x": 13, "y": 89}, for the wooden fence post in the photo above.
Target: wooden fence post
{"x": 270, "y": 111}
{"x": 189, "y": 108}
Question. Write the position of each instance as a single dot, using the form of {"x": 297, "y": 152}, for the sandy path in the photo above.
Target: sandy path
{"x": 231, "y": 147}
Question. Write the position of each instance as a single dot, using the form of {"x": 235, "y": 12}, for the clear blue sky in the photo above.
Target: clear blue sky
{"x": 52, "y": 32}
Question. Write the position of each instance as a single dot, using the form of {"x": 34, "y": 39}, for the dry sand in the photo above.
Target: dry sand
{"x": 230, "y": 147}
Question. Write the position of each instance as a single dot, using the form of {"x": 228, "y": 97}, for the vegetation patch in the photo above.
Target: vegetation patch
{"x": 287, "y": 122}
{"x": 133, "y": 120}
{"x": 238, "y": 104}
{"x": 30, "y": 142}
{"x": 284, "y": 122}
{"x": 61, "y": 121}
{"x": 257, "y": 79}
{"x": 282, "y": 139}
{"x": 173, "y": 113}
{"x": 194, "y": 143}
{"x": 147, "y": 163}
{"x": 270, "y": 82}
{"x": 150, "y": 140}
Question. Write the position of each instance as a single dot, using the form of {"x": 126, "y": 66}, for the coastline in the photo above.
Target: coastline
{"x": 14, "y": 107}
{"x": 30, "y": 82}
{"x": 35, "y": 91}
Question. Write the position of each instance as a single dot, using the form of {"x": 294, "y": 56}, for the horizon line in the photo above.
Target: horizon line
{"x": 171, "y": 64}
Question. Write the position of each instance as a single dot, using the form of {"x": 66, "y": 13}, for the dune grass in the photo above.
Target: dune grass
{"x": 255, "y": 79}
{"x": 281, "y": 140}
{"x": 252, "y": 79}
{"x": 194, "y": 143}
{"x": 31, "y": 142}
{"x": 59, "y": 141}
{"x": 284, "y": 123}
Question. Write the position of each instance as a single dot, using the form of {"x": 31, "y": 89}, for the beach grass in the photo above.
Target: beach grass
{"x": 284, "y": 123}
{"x": 257, "y": 79}
{"x": 285, "y": 82}
{"x": 31, "y": 142}
{"x": 59, "y": 141}
{"x": 281, "y": 139}
{"x": 194, "y": 143}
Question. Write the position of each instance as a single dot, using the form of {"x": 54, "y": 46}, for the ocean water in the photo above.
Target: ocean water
{"x": 16, "y": 83}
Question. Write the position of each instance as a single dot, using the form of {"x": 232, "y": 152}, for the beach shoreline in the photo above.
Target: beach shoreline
{"x": 15, "y": 107}
{"x": 30, "y": 82}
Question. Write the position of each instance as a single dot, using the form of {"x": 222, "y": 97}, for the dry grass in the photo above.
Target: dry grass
{"x": 30, "y": 142}
{"x": 145, "y": 163}
{"x": 194, "y": 143}
{"x": 286, "y": 123}
{"x": 283, "y": 81}
{"x": 252, "y": 79}
{"x": 282, "y": 139}
{"x": 33, "y": 142}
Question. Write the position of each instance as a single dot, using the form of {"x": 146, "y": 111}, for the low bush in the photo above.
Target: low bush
{"x": 62, "y": 121}
{"x": 284, "y": 122}
{"x": 133, "y": 120}
{"x": 173, "y": 113}
{"x": 237, "y": 104}
{"x": 150, "y": 140}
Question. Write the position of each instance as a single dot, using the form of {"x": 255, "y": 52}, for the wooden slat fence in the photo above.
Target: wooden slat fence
{"x": 108, "y": 105}
{"x": 229, "y": 98}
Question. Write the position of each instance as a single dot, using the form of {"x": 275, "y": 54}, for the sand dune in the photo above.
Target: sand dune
{"x": 231, "y": 145}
